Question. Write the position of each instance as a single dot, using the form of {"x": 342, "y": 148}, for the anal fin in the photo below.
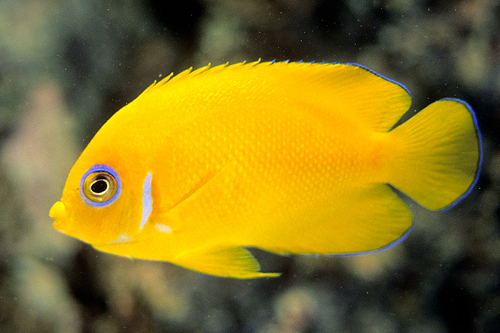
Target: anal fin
{"x": 370, "y": 219}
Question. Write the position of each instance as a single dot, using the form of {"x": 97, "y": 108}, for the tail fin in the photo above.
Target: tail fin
{"x": 439, "y": 156}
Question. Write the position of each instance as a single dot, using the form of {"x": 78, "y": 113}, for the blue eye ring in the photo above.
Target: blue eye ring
{"x": 100, "y": 186}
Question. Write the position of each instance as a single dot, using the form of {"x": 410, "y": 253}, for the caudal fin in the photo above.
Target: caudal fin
{"x": 438, "y": 154}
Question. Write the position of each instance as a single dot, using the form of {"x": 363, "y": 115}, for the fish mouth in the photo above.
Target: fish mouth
{"x": 59, "y": 213}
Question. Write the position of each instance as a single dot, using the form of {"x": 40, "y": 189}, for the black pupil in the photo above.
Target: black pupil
{"x": 99, "y": 186}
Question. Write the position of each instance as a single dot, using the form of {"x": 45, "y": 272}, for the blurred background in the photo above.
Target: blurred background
{"x": 67, "y": 66}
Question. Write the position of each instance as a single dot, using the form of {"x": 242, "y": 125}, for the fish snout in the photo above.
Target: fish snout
{"x": 59, "y": 213}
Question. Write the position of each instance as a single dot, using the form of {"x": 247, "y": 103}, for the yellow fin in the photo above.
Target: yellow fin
{"x": 376, "y": 220}
{"x": 438, "y": 154}
{"x": 235, "y": 262}
{"x": 376, "y": 102}
{"x": 370, "y": 220}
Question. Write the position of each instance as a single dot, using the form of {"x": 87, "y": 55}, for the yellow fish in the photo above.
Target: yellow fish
{"x": 285, "y": 157}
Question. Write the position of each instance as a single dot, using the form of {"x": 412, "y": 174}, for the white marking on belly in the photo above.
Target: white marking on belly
{"x": 124, "y": 238}
{"x": 163, "y": 228}
{"x": 147, "y": 200}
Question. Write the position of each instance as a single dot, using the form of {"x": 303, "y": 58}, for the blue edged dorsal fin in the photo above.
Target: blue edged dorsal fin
{"x": 352, "y": 89}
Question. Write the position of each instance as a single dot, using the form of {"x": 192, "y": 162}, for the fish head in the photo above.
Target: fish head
{"x": 99, "y": 200}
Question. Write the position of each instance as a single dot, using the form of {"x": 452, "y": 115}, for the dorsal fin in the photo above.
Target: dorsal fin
{"x": 347, "y": 88}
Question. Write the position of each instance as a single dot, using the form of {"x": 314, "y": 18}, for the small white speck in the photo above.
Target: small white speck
{"x": 163, "y": 228}
{"x": 124, "y": 238}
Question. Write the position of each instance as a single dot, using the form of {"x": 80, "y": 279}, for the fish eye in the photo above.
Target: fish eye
{"x": 100, "y": 186}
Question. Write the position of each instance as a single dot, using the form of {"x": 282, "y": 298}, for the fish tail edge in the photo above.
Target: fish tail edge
{"x": 438, "y": 155}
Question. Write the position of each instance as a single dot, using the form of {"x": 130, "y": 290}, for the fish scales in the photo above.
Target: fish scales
{"x": 286, "y": 157}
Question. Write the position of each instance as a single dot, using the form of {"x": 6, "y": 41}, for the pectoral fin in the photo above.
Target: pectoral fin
{"x": 235, "y": 262}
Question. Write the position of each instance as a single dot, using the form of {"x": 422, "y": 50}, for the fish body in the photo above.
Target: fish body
{"x": 286, "y": 157}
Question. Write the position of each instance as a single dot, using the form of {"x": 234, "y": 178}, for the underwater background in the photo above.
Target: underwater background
{"x": 67, "y": 66}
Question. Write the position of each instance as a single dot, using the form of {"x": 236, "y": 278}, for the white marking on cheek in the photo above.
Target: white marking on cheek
{"x": 163, "y": 228}
{"x": 124, "y": 238}
{"x": 147, "y": 200}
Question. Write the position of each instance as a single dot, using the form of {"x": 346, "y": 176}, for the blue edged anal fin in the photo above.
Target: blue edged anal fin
{"x": 235, "y": 262}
